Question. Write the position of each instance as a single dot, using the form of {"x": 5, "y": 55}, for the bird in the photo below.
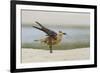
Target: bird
{"x": 52, "y": 37}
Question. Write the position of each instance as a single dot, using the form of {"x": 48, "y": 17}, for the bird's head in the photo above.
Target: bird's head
{"x": 62, "y": 33}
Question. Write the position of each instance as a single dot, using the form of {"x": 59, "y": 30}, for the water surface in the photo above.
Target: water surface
{"x": 79, "y": 36}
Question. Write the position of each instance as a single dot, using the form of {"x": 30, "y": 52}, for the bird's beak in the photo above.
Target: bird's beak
{"x": 64, "y": 33}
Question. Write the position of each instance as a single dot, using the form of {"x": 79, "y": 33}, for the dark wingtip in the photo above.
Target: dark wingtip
{"x": 33, "y": 26}
{"x": 36, "y": 22}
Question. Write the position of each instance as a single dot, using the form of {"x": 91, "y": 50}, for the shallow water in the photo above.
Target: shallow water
{"x": 29, "y": 34}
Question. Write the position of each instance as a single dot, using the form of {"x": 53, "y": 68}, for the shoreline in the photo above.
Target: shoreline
{"x": 30, "y": 55}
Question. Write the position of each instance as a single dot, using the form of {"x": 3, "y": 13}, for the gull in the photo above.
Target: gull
{"x": 52, "y": 38}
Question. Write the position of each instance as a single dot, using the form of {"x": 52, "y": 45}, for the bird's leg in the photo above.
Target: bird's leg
{"x": 50, "y": 46}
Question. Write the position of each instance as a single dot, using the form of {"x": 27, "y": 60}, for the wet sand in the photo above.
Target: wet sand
{"x": 30, "y": 55}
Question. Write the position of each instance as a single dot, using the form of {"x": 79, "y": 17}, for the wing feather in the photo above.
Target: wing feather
{"x": 46, "y": 30}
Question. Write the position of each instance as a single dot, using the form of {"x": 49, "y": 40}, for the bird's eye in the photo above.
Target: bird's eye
{"x": 64, "y": 33}
{"x": 60, "y": 31}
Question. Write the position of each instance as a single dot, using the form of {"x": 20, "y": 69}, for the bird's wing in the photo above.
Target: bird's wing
{"x": 46, "y": 30}
{"x": 39, "y": 24}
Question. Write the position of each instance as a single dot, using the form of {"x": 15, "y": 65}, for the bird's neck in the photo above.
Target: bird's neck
{"x": 59, "y": 37}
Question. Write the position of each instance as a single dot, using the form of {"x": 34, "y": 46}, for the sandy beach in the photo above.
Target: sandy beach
{"x": 30, "y": 55}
